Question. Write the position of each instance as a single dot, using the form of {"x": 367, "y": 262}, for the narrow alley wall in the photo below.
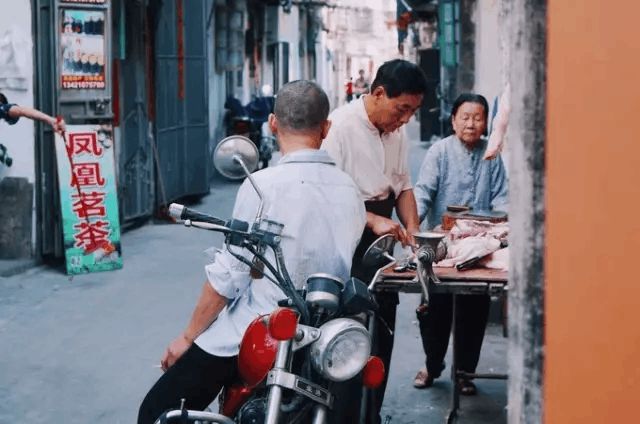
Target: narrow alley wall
{"x": 525, "y": 27}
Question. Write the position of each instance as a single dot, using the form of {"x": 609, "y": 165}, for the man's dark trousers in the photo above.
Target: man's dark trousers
{"x": 386, "y": 314}
{"x": 197, "y": 377}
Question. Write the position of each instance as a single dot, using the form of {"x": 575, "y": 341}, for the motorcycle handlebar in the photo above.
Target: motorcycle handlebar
{"x": 178, "y": 211}
{"x": 190, "y": 415}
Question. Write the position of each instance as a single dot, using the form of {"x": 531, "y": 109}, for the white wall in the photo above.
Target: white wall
{"x": 217, "y": 91}
{"x": 16, "y": 82}
{"x": 289, "y": 31}
{"x": 491, "y": 60}
{"x": 324, "y": 66}
{"x": 488, "y": 57}
{"x": 378, "y": 44}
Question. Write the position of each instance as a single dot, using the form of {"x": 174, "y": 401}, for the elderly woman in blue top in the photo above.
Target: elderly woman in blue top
{"x": 454, "y": 173}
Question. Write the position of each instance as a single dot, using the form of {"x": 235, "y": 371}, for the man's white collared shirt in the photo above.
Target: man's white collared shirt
{"x": 324, "y": 217}
{"x": 377, "y": 162}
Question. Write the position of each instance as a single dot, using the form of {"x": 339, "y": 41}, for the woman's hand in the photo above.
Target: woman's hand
{"x": 59, "y": 125}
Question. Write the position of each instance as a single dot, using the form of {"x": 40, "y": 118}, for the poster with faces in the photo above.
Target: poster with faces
{"x": 82, "y": 47}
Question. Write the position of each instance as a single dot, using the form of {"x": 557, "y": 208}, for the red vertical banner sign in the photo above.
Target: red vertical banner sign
{"x": 180, "y": 39}
{"x": 88, "y": 198}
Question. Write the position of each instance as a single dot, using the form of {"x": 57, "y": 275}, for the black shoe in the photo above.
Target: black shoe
{"x": 466, "y": 387}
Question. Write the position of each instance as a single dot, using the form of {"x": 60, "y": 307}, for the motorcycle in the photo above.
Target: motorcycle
{"x": 251, "y": 121}
{"x": 4, "y": 156}
{"x": 288, "y": 359}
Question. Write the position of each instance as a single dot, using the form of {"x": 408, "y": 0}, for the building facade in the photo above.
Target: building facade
{"x": 167, "y": 68}
{"x": 358, "y": 36}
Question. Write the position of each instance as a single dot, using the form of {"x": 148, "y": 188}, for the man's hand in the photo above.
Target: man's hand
{"x": 411, "y": 241}
{"x": 175, "y": 350}
{"x": 209, "y": 306}
{"x": 381, "y": 226}
{"x": 407, "y": 211}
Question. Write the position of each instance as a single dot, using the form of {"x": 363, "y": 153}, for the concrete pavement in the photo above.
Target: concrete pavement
{"x": 83, "y": 349}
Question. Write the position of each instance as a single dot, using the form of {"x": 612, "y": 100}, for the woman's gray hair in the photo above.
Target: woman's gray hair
{"x": 301, "y": 105}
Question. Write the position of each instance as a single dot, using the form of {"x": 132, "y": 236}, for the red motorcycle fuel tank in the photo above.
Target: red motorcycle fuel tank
{"x": 257, "y": 352}
{"x": 256, "y": 357}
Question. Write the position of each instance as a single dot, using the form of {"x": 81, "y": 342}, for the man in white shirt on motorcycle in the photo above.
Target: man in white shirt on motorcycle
{"x": 324, "y": 217}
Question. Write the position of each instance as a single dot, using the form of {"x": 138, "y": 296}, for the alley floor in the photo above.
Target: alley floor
{"x": 85, "y": 349}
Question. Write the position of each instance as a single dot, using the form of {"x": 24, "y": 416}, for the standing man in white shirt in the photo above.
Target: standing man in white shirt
{"x": 323, "y": 219}
{"x": 368, "y": 141}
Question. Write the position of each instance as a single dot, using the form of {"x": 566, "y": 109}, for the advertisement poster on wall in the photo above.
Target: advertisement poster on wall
{"x": 88, "y": 199}
{"x": 82, "y": 48}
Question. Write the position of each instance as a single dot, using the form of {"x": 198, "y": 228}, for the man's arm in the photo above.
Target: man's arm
{"x": 227, "y": 278}
{"x": 408, "y": 214}
{"x": 407, "y": 210}
{"x": 380, "y": 225}
{"x": 206, "y": 311}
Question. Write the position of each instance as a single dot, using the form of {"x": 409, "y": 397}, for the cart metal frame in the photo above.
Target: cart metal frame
{"x": 470, "y": 282}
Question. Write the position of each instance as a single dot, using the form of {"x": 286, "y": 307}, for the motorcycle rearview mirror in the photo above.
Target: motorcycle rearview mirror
{"x": 378, "y": 255}
{"x": 379, "y": 252}
{"x": 235, "y": 157}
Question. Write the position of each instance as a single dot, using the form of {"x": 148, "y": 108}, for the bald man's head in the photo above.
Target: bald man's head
{"x": 301, "y": 106}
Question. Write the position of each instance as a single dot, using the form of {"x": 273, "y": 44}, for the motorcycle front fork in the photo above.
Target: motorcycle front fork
{"x": 274, "y": 400}
{"x": 319, "y": 415}
{"x": 275, "y": 392}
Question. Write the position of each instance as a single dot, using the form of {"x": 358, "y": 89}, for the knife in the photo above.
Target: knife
{"x": 469, "y": 263}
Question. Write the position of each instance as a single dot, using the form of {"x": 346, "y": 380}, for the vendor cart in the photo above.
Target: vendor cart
{"x": 479, "y": 281}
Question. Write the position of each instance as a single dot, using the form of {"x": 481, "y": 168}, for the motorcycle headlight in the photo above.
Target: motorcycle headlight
{"x": 342, "y": 349}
